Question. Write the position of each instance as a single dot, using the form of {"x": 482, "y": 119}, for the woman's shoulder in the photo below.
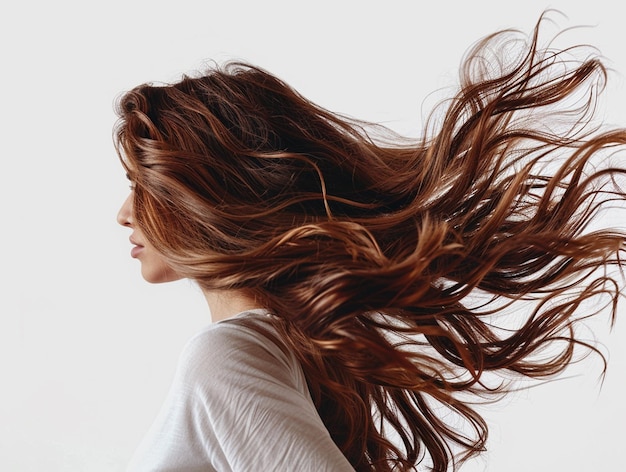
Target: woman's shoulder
{"x": 249, "y": 330}
{"x": 244, "y": 345}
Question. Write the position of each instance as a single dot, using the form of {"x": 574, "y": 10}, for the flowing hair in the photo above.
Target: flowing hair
{"x": 394, "y": 266}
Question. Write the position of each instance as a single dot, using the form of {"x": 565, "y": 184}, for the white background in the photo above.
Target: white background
{"x": 87, "y": 348}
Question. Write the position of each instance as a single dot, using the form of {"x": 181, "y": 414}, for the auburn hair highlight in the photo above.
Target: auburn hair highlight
{"x": 392, "y": 265}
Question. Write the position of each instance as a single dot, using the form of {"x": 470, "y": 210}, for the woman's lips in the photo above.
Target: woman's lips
{"x": 135, "y": 251}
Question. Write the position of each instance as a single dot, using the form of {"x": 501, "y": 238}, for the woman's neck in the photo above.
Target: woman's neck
{"x": 224, "y": 304}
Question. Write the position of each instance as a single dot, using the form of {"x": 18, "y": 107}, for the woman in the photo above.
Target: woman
{"x": 361, "y": 283}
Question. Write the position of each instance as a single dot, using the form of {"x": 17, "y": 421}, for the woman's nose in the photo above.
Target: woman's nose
{"x": 125, "y": 215}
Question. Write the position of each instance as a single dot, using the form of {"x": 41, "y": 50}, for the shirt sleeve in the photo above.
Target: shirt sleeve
{"x": 239, "y": 403}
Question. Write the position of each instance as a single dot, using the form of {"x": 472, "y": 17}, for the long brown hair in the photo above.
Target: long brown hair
{"x": 391, "y": 264}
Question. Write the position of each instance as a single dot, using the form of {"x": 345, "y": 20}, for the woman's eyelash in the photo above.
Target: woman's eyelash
{"x": 132, "y": 184}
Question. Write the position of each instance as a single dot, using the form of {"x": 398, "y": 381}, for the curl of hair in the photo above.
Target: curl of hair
{"x": 388, "y": 262}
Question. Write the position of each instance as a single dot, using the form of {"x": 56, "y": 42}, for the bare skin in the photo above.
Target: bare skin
{"x": 154, "y": 269}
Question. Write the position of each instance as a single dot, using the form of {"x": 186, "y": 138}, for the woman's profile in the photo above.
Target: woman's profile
{"x": 363, "y": 286}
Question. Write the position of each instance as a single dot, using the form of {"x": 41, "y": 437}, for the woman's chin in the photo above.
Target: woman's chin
{"x": 159, "y": 275}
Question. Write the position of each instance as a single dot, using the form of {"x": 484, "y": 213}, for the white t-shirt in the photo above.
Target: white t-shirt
{"x": 238, "y": 403}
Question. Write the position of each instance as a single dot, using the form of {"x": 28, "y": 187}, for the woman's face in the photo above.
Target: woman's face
{"x": 154, "y": 269}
